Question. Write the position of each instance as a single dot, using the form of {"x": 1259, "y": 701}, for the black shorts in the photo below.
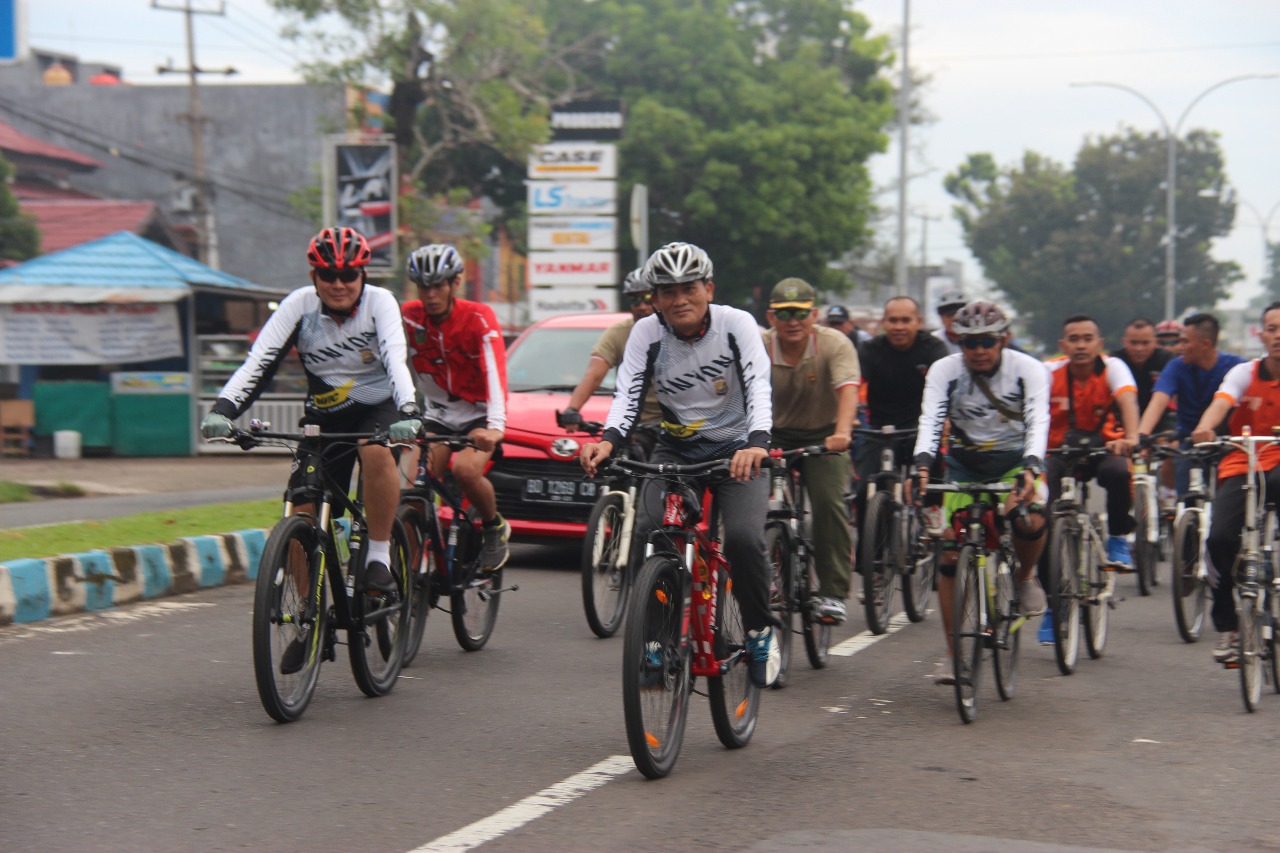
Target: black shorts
{"x": 340, "y": 458}
{"x": 431, "y": 427}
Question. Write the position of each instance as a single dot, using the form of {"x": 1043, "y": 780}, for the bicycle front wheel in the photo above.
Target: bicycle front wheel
{"x": 968, "y": 634}
{"x": 604, "y": 574}
{"x": 1249, "y": 645}
{"x": 878, "y": 560}
{"x": 656, "y": 666}
{"x": 1271, "y": 552}
{"x": 1097, "y": 604}
{"x": 735, "y": 700}
{"x": 1145, "y": 552}
{"x": 1064, "y": 598}
{"x": 473, "y": 605}
{"x": 380, "y": 625}
{"x": 922, "y": 563}
{"x": 290, "y": 618}
{"x": 782, "y": 595}
{"x": 1190, "y": 595}
{"x": 817, "y": 634}
{"x": 1006, "y": 639}
{"x": 421, "y": 565}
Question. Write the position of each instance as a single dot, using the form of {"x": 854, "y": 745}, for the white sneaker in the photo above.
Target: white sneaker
{"x": 829, "y": 610}
{"x": 944, "y": 672}
{"x": 1168, "y": 496}
{"x": 1225, "y": 652}
{"x": 933, "y": 520}
{"x": 764, "y": 659}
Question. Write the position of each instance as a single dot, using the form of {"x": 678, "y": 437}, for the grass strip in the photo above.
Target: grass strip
{"x": 141, "y": 529}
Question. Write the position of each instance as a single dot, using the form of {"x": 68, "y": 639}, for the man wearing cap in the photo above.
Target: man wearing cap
{"x": 815, "y": 399}
{"x": 949, "y": 303}
{"x": 838, "y": 318}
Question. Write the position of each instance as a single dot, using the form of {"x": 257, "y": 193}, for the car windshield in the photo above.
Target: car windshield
{"x": 550, "y": 359}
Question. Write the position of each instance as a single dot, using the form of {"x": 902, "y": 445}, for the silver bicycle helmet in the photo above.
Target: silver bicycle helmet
{"x": 635, "y": 282}
{"x": 677, "y": 263}
{"x": 952, "y": 299}
{"x": 433, "y": 263}
{"x": 980, "y": 318}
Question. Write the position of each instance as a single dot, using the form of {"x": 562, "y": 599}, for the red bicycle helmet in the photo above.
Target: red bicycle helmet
{"x": 1169, "y": 328}
{"x": 338, "y": 248}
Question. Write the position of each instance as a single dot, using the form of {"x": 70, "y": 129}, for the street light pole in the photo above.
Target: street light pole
{"x": 1265, "y": 223}
{"x": 1171, "y": 173}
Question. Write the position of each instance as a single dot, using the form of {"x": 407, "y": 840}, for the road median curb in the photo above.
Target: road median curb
{"x": 36, "y": 589}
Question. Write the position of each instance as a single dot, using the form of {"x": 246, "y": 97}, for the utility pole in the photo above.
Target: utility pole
{"x": 925, "y": 219}
{"x": 206, "y": 227}
{"x": 904, "y": 122}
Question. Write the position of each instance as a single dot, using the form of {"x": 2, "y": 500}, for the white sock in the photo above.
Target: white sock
{"x": 379, "y": 552}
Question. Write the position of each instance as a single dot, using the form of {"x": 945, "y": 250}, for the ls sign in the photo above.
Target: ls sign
{"x": 598, "y": 198}
{"x": 574, "y": 160}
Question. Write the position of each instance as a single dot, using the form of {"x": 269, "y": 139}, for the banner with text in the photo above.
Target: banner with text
{"x": 574, "y": 160}
{"x": 581, "y": 232}
{"x": 561, "y": 198}
{"x": 547, "y": 302}
{"x": 65, "y": 333}
{"x": 575, "y": 268}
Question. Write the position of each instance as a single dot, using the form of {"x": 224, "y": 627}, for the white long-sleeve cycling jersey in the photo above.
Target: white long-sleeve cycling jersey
{"x": 360, "y": 359}
{"x": 1020, "y": 383}
{"x": 714, "y": 391}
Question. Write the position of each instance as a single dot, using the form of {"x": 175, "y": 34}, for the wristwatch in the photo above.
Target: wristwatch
{"x": 410, "y": 410}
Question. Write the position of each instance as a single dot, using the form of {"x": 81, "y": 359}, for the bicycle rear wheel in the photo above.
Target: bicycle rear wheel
{"x": 289, "y": 607}
{"x": 380, "y": 625}
{"x": 421, "y": 566}
{"x": 968, "y": 634}
{"x": 1145, "y": 552}
{"x": 1006, "y": 643}
{"x": 604, "y": 578}
{"x": 1249, "y": 645}
{"x": 473, "y": 604}
{"x": 782, "y": 595}
{"x": 878, "y": 560}
{"x": 1097, "y": 608}
{"x": 656, "y": 666}
{"x": 817, "y": 634}
{"x": 1190, "y": 596}
{"x": 735, "y": 700}
{"x": 1270, "y": 554}
{"x": 1065, "y": 593}
{"x": 923, "y": 553}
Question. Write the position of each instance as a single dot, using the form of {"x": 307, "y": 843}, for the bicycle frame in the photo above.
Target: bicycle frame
{"x": 976, "y": 533}
{"x": 1073, "y": 500}
{"x": 1198, "y": 499}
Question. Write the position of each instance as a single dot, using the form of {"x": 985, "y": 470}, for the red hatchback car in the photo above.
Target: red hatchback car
{"x": 541, "y": 488}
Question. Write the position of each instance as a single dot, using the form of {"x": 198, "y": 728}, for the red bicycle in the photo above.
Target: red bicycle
{"x": 683, "y": 622}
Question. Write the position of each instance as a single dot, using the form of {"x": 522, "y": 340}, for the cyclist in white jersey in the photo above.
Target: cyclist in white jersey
{"x": 997, "y": 402}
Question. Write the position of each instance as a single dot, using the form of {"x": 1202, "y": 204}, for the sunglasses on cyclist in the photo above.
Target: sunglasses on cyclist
{"x": 986, "y": 342}
{"x": 641, "y": 298}
{"x": 785, "y": 314}
{"x": 346, "y": 275}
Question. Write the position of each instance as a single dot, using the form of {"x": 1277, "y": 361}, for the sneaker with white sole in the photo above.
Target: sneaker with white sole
{"x": 944, "y": 672}
{"x": 933, "y": 520}
{"x": 1046, "y": 629}
{"x": 1119, "y": 552}
{"x": 829, "y": 610}
{"x": 494, "y": 549}
{"x": 1031, "y": 597}
{"x": 1225, "y": 652}
{"x": 764, "y": 659}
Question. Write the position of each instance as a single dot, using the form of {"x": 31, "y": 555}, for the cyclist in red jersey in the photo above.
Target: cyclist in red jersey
{"x": 460, "y": 364}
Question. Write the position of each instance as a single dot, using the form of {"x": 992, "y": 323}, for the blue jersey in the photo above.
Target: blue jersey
{"x": 1194, "y": 388}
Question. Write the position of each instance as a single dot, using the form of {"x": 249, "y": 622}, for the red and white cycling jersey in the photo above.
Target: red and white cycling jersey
{"x": 461, "y": 364}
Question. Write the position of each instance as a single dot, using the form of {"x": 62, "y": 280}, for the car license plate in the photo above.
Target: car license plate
{"x": 559, "y": 491}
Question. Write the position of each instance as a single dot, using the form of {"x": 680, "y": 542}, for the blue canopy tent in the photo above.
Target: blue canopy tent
{"x": 130, "y": 287}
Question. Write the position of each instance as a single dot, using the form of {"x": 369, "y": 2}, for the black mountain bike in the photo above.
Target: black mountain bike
{"x": 290, "y": 602}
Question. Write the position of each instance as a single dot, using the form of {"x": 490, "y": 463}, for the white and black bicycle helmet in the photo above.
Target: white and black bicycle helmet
{"x": 677, "y": 263}
{"x": 952, "y": 299}
{"x": 635, "y": 282}
{"x": 433, "y": 263}
{"x": 980, "y": 318}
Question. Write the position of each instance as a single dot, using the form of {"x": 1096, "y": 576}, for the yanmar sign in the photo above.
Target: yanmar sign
{"x": 574, "y": 160}
{"x": 573, "y": 268}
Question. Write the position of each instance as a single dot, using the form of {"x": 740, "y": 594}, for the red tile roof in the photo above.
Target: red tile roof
{"x": 69, "y": 222}
{"x": 13, "y": 140}
{"x": 41, "y": 190}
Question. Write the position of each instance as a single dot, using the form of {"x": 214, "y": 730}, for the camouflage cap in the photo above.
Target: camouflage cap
{"x": 792, "y": 293}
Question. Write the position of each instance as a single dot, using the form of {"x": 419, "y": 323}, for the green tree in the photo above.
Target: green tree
{"x": 1091, "y": 238}
{"x": 19, "y": 236}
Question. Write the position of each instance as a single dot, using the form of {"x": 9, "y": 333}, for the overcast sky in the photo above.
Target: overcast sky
{"x": 1000, "y": 72}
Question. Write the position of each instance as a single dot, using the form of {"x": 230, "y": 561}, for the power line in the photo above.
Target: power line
{"x": 1083, "y": 54}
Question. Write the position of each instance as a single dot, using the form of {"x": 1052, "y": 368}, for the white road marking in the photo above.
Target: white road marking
{"x": 93, "y": 621}
{"x": 858, "y": 642}
{"x": 529, "y": 809}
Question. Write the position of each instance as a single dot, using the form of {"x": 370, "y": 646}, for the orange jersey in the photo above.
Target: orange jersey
{"x": 1256, "y": 397}
{"x": 1094, "y": 398}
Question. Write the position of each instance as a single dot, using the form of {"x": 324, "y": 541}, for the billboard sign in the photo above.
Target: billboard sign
{"x": 595, "y": 120}
{"x": 360, "y": 194}
{"x": 598, "y": 198}
{"x": 13, "y": 31}
{"x": 576, "y": 233}
{"x": 573, "y": 268}
{"x": 547, "y": 302}
{"x": 574, "y": 160}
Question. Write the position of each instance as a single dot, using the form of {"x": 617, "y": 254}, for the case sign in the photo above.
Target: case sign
{"x": 599, "y": 198}
{"x": 573, "y": 268}
{"x": 569, "y": 160}
{"x": 583, "y": 232}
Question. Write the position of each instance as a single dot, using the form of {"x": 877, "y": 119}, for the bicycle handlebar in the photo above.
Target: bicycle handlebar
{"x": 971, "y": 488}
{"x": 669, "y": 469}
{"x": 453, "y": 442}
{"x": 253, "y": 437}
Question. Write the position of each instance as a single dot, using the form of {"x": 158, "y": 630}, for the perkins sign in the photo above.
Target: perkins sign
{"x": 551, "y": 301}
{"x": 573, "y": 197}
{"x": 569, "y": 160}
{"x": 580, "y": 268}
{"x": 599, "y": 121}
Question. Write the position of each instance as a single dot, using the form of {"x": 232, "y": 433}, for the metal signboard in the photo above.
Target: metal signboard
{"x": 573, "y": 233}
{"x": 574, "y": 160}
{"x": 547, "y": 302}
{"x": 573, "y": 268}
{"x": 561, "y": 198}
{"x": 360, "y": 193}
{"x": 599, "y": 120}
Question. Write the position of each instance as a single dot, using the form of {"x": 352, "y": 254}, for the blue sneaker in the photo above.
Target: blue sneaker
{"x": 1118, "y": 551}
{"x": 652, "y": 674}
{"x": 1046, "y": 629}
{"x": 764, "y": 660}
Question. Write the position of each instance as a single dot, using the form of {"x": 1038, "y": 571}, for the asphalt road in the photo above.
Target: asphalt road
{"x": 142, "y": 730}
